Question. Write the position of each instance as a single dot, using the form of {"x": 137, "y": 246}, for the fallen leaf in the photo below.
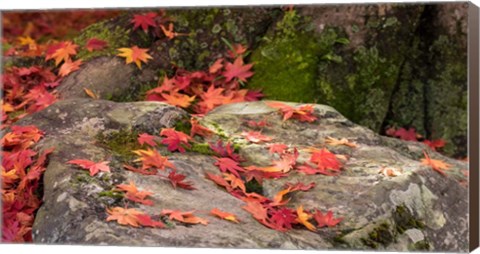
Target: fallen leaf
{"x": 237, "y": 70}
{"x": 255, "y": 137}
{"x": 68, "y": 66}
{"x": 436, "y": 165}
{"x": 144, "y": 21}
{"x": 151, "y": 158}
{"x": 90, "y": 93}
{"x": 338, "y": 142}
{"x": 185, "y": 217}
{"x": 224, "y": 215}
{"x": 175, "y": 140}
{"x": 303, "y": 217}
{"x": 326, "y": 220}
{"x": 229, "y": 165}
{"x": 177, "y": 180}
{"x": 390, "y": 171}
{"x": 93, "y": 167}
{"x": 124, "y": 216}
{"x": 135, "y": 55}
{"x": 146, "y": 138}
{"x": 95, "y": 44}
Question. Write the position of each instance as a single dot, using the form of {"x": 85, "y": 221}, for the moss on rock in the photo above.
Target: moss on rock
{"x": 121, "y": 143}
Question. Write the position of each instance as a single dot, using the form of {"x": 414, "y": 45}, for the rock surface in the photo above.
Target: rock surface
{"x": 418, "y": 210}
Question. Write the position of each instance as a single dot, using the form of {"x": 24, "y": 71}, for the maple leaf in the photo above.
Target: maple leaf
{"x": 152, "y": 158}
{"x": 408, "y": 135}
{"x": 175, "y": 140}
{"x": 61, "y": 51}
{"x": 259, "y": 175}
{"x": 225, "y": 150}
{"x": 93, "y": 167}
{"x": 219, "y": 180}
{"x": 216, "y": 66}
{"x": 224, "y": 215}
{"x": 141, "y": 171}
{"x": 178, "y": 99}
{"x": 303, "y": 217}
{"x": 198, "y": 129}
{"x": 300, "y": 186}
{"x": 238, "y": 50}
{"x": 439, "y": 143}
{"x": 309, "y": 170}
{"x": 436, "y": 165}
{"x": 324, "y": 160}
{"x": 144, "y": 21}
{"x": 237, "y": 70}
{"x": 90, "y": 93}
{"x": 185, "y": 217}
{"x": 133, "y": 194}
{"x": 169, "y": 33}
{"x": 338, "y": 142}
{"x": 177, "y": 180}
{"x": 95, "y": 44}
{"x": 278, "y": 198}
{"x": 304, "y": 113}
{"x": 212, "y": 98}
{"x": 283, "y": 218}
{"x": 68, "y": 66}
{"x": 146, "y": 138}
{"x": 147, "y": 221}
{"x": 257, "y": 210}
{"x": 124, "y": 216}
{"x": 326, "y": 220}
{"x": 235, "y": 182}
{"x": 277, "y": 148}
{"x": 135, "y": 54}
{"x": 260, "y": 124}
{"x": 228, "y": 165}
{"x": 255, "y": 137}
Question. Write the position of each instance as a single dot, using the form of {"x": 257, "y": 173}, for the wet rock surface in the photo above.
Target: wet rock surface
{"x": 417, "y": 210}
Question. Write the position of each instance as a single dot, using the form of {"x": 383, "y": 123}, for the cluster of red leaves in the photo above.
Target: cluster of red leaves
{"x": 21, "y": 171}
{"x": 412, "y": 135}
{"x": 202, "y": 91}
{"x": 273, "y": 213}
{"x": 303, "y": 113}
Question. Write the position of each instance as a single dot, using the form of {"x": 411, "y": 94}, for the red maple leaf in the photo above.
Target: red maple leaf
{"x": 260, "y": 124}
{"x": 175, "y": 140}
{"x": 434, "y": 144}
{"x": 283, "y": 218}
{"x": 237, "y": 70}
{"x": 144, "y": 21}
{"x": 219, "y": 180}
{"x": 225, "y": 150}
{"x": 216, "y": 66}
{"x": 198, "y": 129}
{"x": 238, "y": 50}
{"x": 95, "y": 44}
{"x": 324, "y": 160}
{"x": 303, "y": 113}
{"x": 151, "y": 158}
{"x": 256, "y": 137}
{"x": 408, "y": 135}
{"x": 93, "y": 167}
{"x": 177, "y": 180}
{"x": 300, "y": 186}
{"x": 312, "y": 170}
{"x": 147, "y": 221}
{"x": 277, "y": 148}
{"x": 326, "y": 220}
{"x": 229, "y": 165}
{"x": 146, "y": 138}
{"x": 135, "y": 195}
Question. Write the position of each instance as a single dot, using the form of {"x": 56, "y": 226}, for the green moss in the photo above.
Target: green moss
{"x": 111, "y": 194}
{"x": 379, "y": 235}
{"x": 286, "y": 63}
{"x": 201, "y": 148}
{"x": 183, "y": 125}
{"x": 420, "y": 246}
{"x": 116, "y": 37}
{"x": 405, "y": 220}
{"x": 121, "y": 143}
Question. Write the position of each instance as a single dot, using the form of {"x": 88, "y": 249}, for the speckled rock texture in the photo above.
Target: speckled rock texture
{"x": 417, "y": 210}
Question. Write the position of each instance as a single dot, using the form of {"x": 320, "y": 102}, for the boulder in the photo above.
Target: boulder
{"x": 417, "y": 210}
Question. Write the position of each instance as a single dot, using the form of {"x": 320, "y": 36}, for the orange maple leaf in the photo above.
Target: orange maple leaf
{"x": 124, "y": 216}
{"x": 436, "y": 165}
{"x": 152, "y": 158}
{"x": 303, "y": 218}
{"x": 135, "y": 54}
{"x": 224, "y": 215}
{"x": 62, "y": 52}
{"x": 185, "y": 217}
{"x": 235, "y": 182}
{"x": 169, "y": 33}
{"x": 134, "y": 194}
{"x": 68, "y": 66}
{"x": 338, "y": 142}
{"x": 178, "y": 99}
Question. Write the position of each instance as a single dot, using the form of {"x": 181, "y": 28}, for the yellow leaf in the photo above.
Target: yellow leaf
{"x": 135, "y": 54}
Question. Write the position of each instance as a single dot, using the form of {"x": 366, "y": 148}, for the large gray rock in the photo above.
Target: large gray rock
{"x": 417, "y": 210}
